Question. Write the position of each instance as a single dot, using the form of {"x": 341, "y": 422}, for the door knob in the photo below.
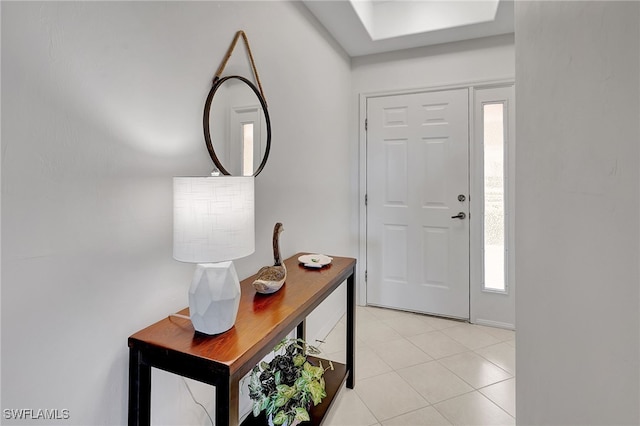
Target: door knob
{"x": 460, "y": 216}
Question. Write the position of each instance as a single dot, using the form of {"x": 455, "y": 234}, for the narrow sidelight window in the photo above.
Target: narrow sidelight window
{"x": 494, "y": 215}
{"x": 247, "y": 149}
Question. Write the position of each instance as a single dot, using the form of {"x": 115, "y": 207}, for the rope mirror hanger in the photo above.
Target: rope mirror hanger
{"x": 218, "y": 80}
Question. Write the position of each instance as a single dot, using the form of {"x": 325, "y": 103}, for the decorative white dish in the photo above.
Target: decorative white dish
{"x": 315, "y": 260}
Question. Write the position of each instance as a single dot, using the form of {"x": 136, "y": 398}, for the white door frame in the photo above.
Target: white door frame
{"x": 488, "y": 307}
{"x": 362, "y": 149}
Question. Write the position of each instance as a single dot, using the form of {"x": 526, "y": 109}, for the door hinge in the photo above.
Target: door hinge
{"x": 366, "y": 124}
{"x": 366, "y": 199}
{"x": 365, "y": 276}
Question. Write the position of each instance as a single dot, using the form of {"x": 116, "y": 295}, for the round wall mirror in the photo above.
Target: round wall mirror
{"x": 237, "y": 129}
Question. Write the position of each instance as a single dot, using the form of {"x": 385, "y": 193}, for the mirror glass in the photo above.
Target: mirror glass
{"x": 238, "y": 127}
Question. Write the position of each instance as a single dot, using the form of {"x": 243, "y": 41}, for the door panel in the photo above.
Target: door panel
{"x": 417, "y": 165}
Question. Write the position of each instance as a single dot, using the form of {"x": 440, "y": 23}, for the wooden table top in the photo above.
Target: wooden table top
{"x": 261, "y": 318}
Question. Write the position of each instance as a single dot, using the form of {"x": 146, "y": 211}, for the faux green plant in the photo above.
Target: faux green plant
{"x": 285, "y": 387}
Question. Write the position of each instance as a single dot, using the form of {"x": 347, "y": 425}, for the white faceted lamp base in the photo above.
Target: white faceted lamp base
{"x": 214, "y": 297}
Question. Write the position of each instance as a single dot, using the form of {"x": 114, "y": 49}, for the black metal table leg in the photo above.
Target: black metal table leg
{"x": 227, "y": 403}
{"x": 222, "y": 405}
{"x": 301, "y": 331}
{"x": 139, "y": 390}
{"x": 351, "y": 328}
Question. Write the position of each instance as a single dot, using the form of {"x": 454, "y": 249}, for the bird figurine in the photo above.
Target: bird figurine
{"x": 271, "y": 278}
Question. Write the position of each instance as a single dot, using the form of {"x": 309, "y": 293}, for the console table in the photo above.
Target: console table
{"x": 224, "y": 359}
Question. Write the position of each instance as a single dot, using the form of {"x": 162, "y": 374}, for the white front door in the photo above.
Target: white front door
{"x": 418, "y": 202}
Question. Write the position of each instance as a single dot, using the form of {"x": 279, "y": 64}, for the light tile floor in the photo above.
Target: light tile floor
{"x": 419, "y": 370}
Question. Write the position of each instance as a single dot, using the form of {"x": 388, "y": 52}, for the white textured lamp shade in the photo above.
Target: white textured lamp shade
{"x": 213, "y": 218}
{"x": 213, "y": 223}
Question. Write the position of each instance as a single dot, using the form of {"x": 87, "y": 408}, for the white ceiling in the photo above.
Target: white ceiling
{"x": 365, "y": 27}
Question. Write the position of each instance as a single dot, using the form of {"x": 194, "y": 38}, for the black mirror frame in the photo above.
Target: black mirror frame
{"x": 217, "y": 82}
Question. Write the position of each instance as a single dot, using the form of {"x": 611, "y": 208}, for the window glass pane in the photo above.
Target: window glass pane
{"x": 494, "y": 202}
{"x": 247, "y": 149}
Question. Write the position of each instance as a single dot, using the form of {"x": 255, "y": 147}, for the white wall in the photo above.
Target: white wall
{"x": 490, "y": 58}
{"x": 101, "y": 106}
{"x": 577, "y": 213}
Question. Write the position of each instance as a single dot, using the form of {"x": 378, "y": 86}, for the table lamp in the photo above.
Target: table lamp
{"x": 213, "y": 223}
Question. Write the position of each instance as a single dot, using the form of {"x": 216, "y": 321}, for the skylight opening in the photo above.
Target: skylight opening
{"x": 398, "y": 18}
